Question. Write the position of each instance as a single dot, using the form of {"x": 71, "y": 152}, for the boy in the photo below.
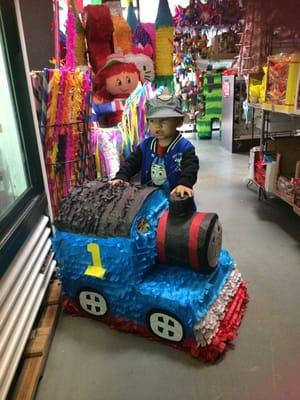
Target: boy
{"x": 166, "y": 159}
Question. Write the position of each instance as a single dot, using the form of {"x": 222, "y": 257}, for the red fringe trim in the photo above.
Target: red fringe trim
{"x": 227, "y": 330}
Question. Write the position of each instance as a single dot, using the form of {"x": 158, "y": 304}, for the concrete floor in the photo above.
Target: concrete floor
{"x": 89, "y": 361}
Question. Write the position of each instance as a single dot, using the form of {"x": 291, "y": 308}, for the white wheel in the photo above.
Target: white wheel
{"x": 93, "y": 303}
{"x": 166, "y": 326}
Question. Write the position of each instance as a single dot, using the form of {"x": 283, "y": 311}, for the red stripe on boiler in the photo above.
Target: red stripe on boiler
{"x": 193, "y": 239}
{"x": 161, "y": 237}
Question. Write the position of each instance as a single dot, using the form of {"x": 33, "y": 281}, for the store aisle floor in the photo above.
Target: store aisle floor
{"x": 89, "y": 361}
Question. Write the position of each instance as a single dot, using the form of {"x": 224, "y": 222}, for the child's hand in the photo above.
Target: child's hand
{"x": 116, "y": 182}
{"x": 181, "y": 190}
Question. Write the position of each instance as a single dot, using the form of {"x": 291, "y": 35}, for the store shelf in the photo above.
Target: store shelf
{"x": 284, "y": 197}
{"x": 295, "y": 113}
{"x": 296, "y": 210}
{"x": 287, "y": 199}
{"x": 255, "y": 105}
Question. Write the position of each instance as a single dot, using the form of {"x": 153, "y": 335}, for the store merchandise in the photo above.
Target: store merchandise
{"x": 122, "y": 36}
{"x": 131, "y": 17}
{"x": 109, "y": 145}
{"x": 79, "y": 49}
{"x": 212, "y": 92}
{"x": 127, "y": 288}
{"x": 143, "y": 61}
{"x": 276, "y": 170}
{"x": 98, "y": 32}
{"x": 296, "y": 183}
{"x": 62, "y": 99}
{"x": 115, "y": 81}
{"x": 283, "y": 75}
{"x": 164, "y": 46}
{"x": 257, "y": 87}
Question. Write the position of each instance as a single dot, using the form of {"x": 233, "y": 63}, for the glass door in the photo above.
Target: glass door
{"x": 22, "y": 192}
{"x": 14, "y": 179}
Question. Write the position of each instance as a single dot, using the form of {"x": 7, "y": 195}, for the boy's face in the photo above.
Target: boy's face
{"x": 164, "y": 128}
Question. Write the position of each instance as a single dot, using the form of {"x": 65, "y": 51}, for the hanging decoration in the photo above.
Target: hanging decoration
{"x": 98, "y": 32}
{"x": 70, "y": 40}
{"x": 216, "y": 13}
{"x": 56, "y": 32}
{"x": 79, "y": 50}
{"x": 164, "y": 46}
{"x": 141, "y": 37}
{"x": 131, "y": 17}
{"x": 150, "y": 29}
{"x": 115, "y": 81}
{"x": 109, "y": 145}
{"x": 143, "y": 61}
{"x": 63, "y": 109}
{"x": 122, "y": 36}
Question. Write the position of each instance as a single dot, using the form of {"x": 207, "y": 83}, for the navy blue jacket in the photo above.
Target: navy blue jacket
{"x": 178, "y": 166}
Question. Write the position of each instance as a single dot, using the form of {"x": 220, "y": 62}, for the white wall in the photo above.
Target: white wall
{"x": 148, "y": 8}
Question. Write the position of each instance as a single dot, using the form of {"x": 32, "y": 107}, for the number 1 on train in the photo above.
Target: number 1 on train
{"x": 96, "y": 269}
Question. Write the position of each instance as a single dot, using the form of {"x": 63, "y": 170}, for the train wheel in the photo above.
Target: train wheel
{"x": 166, "y": 326}
{"x": 92, "y": 302}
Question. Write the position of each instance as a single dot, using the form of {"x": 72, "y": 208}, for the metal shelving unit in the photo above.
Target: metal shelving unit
{"x": 268, "y": 134}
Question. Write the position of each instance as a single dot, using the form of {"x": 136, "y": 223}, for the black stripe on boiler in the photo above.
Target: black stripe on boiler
{"x": 177, "y": 241}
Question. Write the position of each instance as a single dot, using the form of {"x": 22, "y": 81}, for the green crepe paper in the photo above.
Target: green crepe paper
{"x": 167, "y": 81}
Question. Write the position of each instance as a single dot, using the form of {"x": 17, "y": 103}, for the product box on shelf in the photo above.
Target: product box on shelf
{"x": 285, "y": 189}
{"x": 281, "y": 158}
{"x": 263, "y": 169}
{"x": 251, "y": 164}
{"x": 289, "y": 150}
{"x": 271, "y": 175}
{"x": 257, "y": 87}
{"x": 297, "y": 107}
{"x": 282, "y": 82}
{"x": 297, "y": 193}
{"x": 288, "y": 167}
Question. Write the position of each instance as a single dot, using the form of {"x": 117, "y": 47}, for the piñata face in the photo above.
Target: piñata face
{"x": 144, "y": 64}
{"x": 123, "y": 84}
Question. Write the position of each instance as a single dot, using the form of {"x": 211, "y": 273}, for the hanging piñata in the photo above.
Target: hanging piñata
{"x": 164, "y": 46}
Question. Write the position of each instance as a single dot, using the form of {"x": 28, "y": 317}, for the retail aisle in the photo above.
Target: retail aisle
{"x": 89, "y": 361}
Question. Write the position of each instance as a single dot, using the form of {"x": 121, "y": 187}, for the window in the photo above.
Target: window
{"x": 22, "y": 193}
{"x": 14, "y": 179}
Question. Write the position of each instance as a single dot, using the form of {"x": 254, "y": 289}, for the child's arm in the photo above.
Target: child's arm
{"x": 189, "y": 172}
{"x": 98, "y": 110}
{"x": 130, "y": 167}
